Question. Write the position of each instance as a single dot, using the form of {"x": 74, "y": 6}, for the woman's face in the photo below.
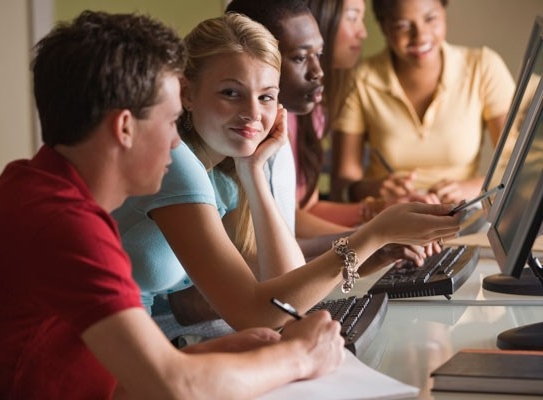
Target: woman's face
{"x": 416, "y": 30}
{"x": 233, "y": 104}
{"x": 351, "y": 31}
{"x": 301, "y": 46}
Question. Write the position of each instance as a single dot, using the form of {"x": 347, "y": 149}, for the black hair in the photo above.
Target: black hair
{"x": 269, "y": 13}
{"x": 382, "y": 8}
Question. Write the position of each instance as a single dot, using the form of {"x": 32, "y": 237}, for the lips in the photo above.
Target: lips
{"x": 315, "y": 95}
{"x": 246, "y": 131}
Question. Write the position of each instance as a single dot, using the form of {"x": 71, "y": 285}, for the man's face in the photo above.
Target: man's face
{"x": 301, "y": 46}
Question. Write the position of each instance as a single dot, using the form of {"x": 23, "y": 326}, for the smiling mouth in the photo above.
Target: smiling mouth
{"x": 246, "y": 132}
{"x": 420, "y": 50}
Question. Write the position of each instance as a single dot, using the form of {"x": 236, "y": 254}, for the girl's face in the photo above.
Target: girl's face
{"x": 233, "y": 104}
{"x": 415, "y": 31}
{"x": 301, "y": 46}
{"x": 351, "y": 31}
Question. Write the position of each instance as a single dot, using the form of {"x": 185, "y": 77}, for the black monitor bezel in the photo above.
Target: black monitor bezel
{"x": 535, "y": 44}
{"x": 513, "y": 260}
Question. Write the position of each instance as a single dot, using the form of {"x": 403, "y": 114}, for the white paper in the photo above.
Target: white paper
{"x": 352, "y": 380}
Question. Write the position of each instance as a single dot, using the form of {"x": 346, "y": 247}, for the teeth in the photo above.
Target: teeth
{"x": 424, "y": 48}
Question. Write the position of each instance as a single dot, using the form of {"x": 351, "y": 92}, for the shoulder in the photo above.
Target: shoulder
{"x": 473, "y": 56}
{"x": 186, "y": 182}
{"x": 374, "y": 70}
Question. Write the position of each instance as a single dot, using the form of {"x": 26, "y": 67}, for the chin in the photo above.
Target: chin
{"x": 303, "y": 109}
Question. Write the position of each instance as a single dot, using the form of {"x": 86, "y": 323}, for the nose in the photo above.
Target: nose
{"x": 314, "y": 70}
{"x": 418, "y": 30}
{"x": 362, "y": 32}
{"x": 251, "y": 112}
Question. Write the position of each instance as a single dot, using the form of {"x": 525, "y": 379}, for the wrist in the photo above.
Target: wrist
{"x": 350, "y": 263}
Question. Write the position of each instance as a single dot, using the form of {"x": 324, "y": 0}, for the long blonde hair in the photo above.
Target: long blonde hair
{"x": 231, "y": 33}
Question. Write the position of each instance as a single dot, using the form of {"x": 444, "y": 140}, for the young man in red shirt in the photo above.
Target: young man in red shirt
{"x": 108, "y": 95}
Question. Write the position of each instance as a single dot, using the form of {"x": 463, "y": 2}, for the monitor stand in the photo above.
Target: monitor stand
{"x": 527, "y": 337}
{"x": 528, "y": 284}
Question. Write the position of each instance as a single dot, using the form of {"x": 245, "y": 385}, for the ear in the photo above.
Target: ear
{"x": 186, "y": 94}
{"x": 123, "y": 128}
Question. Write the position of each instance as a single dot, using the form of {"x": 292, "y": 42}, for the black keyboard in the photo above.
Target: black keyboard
{"x": 441, "y": 274}
{"x": 360, "y": 318}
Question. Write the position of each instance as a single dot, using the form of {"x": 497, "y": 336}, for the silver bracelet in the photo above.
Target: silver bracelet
{"x": 350, "y": 262}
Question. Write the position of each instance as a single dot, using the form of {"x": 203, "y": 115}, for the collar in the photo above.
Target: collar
{"x": 380, "y": 74}
{"x": 50, "y": 161}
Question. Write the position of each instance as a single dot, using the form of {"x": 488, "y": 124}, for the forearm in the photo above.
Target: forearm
{"x": 310, "y": 226}
{"x": 277, "y": 249}
{"x": 358, "y": 190}
{"x": 190, "y": 307}
{"x": 245, "y": 375}
{"x": 315, "y": 246}
{"x": 146, "y": 365}
{"x": 345, "y": 214}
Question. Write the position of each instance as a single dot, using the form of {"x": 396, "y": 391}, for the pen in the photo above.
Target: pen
{"x": 286, "y": 308}
{"x": 385, "y": 163}
{"x": 477, "y": 199}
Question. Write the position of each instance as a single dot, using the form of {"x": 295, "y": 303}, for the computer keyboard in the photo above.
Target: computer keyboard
{"x": 442, "y": 274}
{"x": 360, "y": 318}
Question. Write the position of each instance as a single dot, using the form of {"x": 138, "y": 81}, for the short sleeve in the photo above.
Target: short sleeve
{"x": 497, "y": 84}
{"x": 351, "y": 117}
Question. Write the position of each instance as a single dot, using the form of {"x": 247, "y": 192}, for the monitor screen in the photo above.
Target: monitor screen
{"x": 515, "y": 225}
{"x": 518, "y": 221}
{"x": 528, "y": 79}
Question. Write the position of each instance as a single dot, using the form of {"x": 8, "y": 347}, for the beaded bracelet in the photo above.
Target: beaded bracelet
{"x": 350, "y": 262}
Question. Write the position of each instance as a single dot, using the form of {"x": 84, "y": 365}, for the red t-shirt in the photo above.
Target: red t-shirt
{"x": 62, "y": 269}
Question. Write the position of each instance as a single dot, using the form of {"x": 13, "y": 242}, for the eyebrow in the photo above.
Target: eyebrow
{"x": 233, "y": 80}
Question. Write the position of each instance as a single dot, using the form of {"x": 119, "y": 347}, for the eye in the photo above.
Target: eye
{"x": 431, "y": 18}
{"x": 401, "y": 26}
{"x": 231, "y": 93}
{"x": 351, "y": 15}
{"x": 299, "y": 59}
{"x": 266, "y": 98}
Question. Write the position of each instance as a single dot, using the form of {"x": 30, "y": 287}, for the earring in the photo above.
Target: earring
{"x": 187, "y": 122}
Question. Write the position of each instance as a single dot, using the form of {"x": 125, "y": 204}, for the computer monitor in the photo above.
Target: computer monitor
{"x": 503, "y": 160}
{"x": 528, "y": 78}
{"x": 518, "y": 218}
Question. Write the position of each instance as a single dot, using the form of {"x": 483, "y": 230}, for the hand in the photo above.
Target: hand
{"x": 397, "y": 185}
{"x": 448, "y": 191}
{"x": 393, "y": 252}
{"x": 277, "y": 137}
{"x": 370, "y": 207}
{"x": 415, "y": 223}
{"x": 453, "y": 192}
{"x": 247, "y": 339}
{"x": 320, "y": 336}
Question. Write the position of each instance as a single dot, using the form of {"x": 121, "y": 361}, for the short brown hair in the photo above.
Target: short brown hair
{"x": 97, "y": 63}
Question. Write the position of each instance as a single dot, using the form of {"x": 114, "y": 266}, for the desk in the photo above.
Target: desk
{"x": 419, "y": 335}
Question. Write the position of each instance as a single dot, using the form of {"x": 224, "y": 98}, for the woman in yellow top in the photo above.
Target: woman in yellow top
{"x": 421, "y": 106}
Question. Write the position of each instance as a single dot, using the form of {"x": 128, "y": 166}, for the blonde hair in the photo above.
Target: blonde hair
{"x": 231, "y": 33}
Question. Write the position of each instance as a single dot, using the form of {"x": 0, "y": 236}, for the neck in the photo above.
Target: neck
{"x": 207, "y": 155}
{"x": 98, "y": 173}
{"x": 424, "y": 74}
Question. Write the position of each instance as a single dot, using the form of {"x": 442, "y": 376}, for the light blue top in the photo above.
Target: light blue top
{"x": 156, "y": 269}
